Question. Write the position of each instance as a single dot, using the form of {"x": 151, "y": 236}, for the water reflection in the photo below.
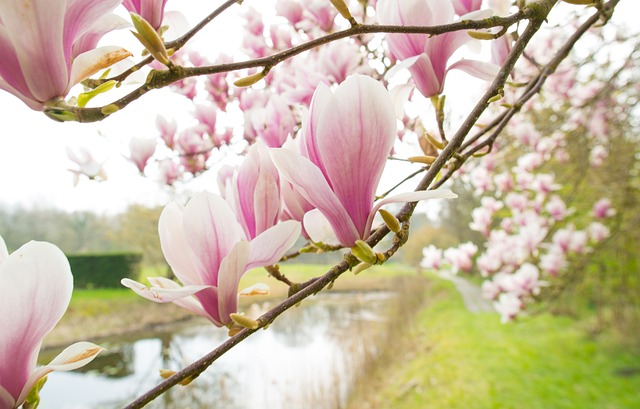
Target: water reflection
{"x": 308, "y": 358}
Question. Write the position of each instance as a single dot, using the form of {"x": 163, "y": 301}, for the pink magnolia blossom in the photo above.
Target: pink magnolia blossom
{"x": 554, "y": 261}
{"x": 141, "y": 150}
{"x": 167, "y": 130}
{"x": 602, "y": 209}
{"x": 209, "y": 253}
{"x": 461, "y": 258}
{"x": 466, "y": 6}
{"x": 46, "y": 47}
{"x": 597, "y": 232}
{"x": 427, "y": 57}
{"x": 508, "y": 306}
{"x": 346, "y": 139}
{"x": 150, "y": 10}
{"x": 598, "y": 155}
{"x": 432, "y": 257}
{"x": 291, "y": 10}
{"x": 207, "y": 115}
{"x": 35, "y": 290}
{"x": 87, "y": 165}
{"x": 254, "y": 192}
{"x": 169, "y": 171}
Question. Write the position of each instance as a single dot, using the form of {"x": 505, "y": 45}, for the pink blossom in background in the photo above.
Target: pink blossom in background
{"x": 466, "y": 6}
{"x": 141, "y": 150}
{"x": 46, "y": 47}
{"x": 432, "y": 258}
{"x": 602, "y": 209}
{"x": 341, "y": 183}
{"x": 87, "y": 165}
{"x": 150, "y": 10}
{"x": 35, "y": 290}
{"x": 554, "y": 261}
{"x": 597, "y": 232}
{"x": 598, "y": 155}
{"x": 556, "y": 208}
{"x": 167, "y": 130}
{"x": 209, "y": 253}
{"x": 460, "y": 258}
{"x": 290, "y": 9}
{"x": 169, "y": 171}
{"x": 194, "y": 148}
{"x": 207, "y": 115}
{"x": 508, "y": 306}
{"x": 427, "y": 57}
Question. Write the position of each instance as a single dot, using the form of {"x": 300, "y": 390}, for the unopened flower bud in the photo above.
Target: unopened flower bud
{"x": 251, "y": 79}
{"x": 427, "y": 160}
{"x": 361, "y": 267}
{"x": 438, "y": 144}
{"x": 390, "y": 220}
{"x": 244, "y": 321}
{"x": 342, "y": 8}
{"x": 150, "y": 39}
{"x": 364, "y": 252}
{"x": 166, "y": 374}
{"x": 481, "y": 35}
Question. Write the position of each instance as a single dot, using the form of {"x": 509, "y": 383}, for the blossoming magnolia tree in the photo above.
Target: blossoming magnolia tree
{"x": 323, "y": 91}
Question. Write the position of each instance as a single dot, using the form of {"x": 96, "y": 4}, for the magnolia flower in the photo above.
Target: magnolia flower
{"x": 208, "y": 252}
{"x": 87, "y": 165}
{"x": 254, "y": 192}
{"x": 427, "y": 57}
{"x": 35, "y": 290}
{"x": 46, "y": 47}
{"x": 150, "y": 10}
{"x": 141, "y": 150}
{"x": 466, "y": 6}
{"x": 346, "y": 139}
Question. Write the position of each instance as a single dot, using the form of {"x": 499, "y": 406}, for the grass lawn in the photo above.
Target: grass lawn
{"x": 454, "y": 359}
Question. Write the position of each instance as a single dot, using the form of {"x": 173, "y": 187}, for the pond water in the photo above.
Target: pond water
{"x": 308, "y": 358}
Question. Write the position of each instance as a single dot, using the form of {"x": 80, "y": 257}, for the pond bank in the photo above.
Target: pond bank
{"x": 98, "y": 314}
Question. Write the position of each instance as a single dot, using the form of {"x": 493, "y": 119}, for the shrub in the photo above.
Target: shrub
{"x": 103, "y": 270}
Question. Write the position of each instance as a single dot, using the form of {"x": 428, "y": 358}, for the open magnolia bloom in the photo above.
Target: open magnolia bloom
{"x": 208, "y": 252}
{"x": 427, "y": 57}
{"x": 46, "y": 47}
{"x": 35, "y": 290}
{"x": 346, "y": 140}
{"x": 150, "y": 10}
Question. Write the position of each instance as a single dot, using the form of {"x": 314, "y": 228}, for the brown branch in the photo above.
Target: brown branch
{"x": 59, "y": 110}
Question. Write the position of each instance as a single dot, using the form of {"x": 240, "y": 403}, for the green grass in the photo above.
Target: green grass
{"x": 87, "y": 302}
{"x": 456, "y": 359}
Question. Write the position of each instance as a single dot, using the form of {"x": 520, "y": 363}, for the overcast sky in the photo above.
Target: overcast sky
{"x": 33, "y": 162}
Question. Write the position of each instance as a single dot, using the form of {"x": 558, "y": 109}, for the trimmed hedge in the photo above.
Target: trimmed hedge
{"x": 103, "y": 270}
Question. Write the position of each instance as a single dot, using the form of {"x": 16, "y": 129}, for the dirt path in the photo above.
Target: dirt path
{"x": 471, "y": 294}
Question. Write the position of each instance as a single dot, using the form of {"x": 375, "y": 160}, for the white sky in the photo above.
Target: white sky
{"x": 33, "y": 162}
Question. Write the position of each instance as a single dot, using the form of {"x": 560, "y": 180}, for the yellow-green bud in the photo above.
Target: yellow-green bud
{"x": 427, "y": 160}
{"x": 150, "y": 39}
{"x": 364, "y": 252}
{"x": 481, "y": 35}
{"x": 361, "y": 267}
{"x": 166, "y": 374}
{"x": 390, "y": 220}
{"x": 433, "y": 141}
{"x": 244, "y": 321}
{"x": 251, "y": 79}
{"x": 342, "y": 8}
